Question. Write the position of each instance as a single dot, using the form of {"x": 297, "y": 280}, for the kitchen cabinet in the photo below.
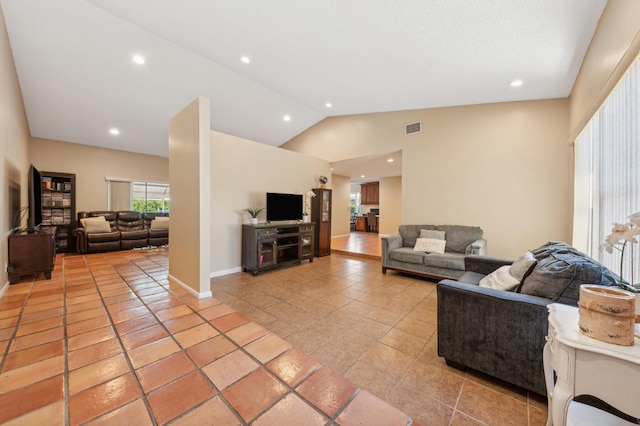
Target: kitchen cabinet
{"x": 370, "y": 193}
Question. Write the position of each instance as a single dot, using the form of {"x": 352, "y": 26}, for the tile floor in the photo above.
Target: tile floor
{"x": 109, "y": 340}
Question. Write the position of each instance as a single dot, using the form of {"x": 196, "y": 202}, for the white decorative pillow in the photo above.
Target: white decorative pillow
{"x": 430, "y": 245}
{"x": 431, "y": 233}
{"x": 96, "y": 224}
{"x": 162, "y": 223}
{"x": 161, "y": 218}
{"x": 500, "y": 279}
{"x": 521, "y": 266}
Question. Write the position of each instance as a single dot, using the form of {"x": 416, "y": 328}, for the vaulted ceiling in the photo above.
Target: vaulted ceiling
{"x": 74, "y": 60}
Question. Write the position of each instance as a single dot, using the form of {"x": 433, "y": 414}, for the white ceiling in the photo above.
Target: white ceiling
{"x": 73, "y": 59}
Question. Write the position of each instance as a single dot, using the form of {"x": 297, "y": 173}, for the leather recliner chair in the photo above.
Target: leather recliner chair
{"x": 98, "y": 241}
{"x": 133, "y": 233}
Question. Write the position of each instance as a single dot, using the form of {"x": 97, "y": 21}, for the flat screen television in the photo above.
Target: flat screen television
{"x": 35, "y": 198}
{"x": 283, "y": 207}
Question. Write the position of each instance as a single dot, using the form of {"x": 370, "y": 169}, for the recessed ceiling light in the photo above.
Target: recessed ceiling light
{"x": 138, "y": 59}
{"x": 328, "y": 105}
{"x": 516, "y": 83}
{"x": 389, "y": 160}
{"x": 245, "y": 59}
{"x": 361, "y": 176}
{"x": 286, "y": 118}
{"x": 114, "y": 131}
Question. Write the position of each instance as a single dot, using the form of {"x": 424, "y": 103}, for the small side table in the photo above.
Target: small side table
{"x": 586, "y": 366}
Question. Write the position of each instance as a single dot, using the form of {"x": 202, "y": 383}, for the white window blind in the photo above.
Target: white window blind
{"x": 607, "y": 174}
{"x": 119, "y": 197}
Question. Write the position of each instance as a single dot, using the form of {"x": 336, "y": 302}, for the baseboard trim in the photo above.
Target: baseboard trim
{"x": 4, "y": 289}
{"x": 203, "y": 295}
{"x": 224, "y": 272}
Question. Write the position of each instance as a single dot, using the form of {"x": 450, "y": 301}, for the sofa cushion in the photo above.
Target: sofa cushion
{"x": 104, "y": 237}
{"x": 95, "y": 224}
{"x": 459, "y": 237}
{"x": 447, "y": 260}
{"x": 408, "y": 255}
{"x": 500, "y": 279}
{"x": 560, "y": 271}
{"x": 410, "y": 233}
{"x": 522, "y": 266}
{"x": 429, "y": 245}
{"x": 432, "y": 233}
{"x": 160, "y": 222}
{"x": 470, "y": 277}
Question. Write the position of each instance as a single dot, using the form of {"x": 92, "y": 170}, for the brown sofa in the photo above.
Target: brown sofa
{"x": 127, "y": 230}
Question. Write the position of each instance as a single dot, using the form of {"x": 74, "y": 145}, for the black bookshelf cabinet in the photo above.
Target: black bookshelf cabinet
{"x": 58, "y": 195}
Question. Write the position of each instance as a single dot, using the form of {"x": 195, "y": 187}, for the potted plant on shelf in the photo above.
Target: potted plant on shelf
{"x": 253, "y": 212}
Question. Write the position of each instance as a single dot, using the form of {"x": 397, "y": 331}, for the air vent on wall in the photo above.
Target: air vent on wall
{"x": 413, "y": 128}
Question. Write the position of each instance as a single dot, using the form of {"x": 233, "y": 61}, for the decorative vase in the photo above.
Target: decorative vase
{"x": 254, "y": 220}
{"x": 306, "y": 218}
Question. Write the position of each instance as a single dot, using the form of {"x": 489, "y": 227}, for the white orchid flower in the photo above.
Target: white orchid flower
{"x": 608, "y": 245}
{"x": 634, "y": 219}
{"x": 623, "y": 232}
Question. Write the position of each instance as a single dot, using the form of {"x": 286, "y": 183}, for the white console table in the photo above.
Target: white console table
{"x": 586, "y": 366}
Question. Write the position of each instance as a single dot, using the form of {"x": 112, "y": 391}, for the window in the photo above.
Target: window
{"x": 138, "y": 196}
{"x": 607, "y": 172}
{"x": 150, "y": 197}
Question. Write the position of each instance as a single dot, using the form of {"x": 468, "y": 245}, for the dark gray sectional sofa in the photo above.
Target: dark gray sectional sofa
{"x": 502, "y": 333}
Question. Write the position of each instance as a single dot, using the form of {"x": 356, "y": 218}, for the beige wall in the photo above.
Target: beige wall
{"x": 14, "y": 149}
{"x": 189, "y": 178}
{"x": 242, "y": 172}
{"x": 92, "y": 165}
{"x": 504, "y": 167}
{"x": 613, "y": 48}
{"x": 340, "y": 202}
{"x": 390, "y": 205}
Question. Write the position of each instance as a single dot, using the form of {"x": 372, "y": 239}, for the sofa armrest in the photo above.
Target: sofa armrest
{"x": 477, "y": 247}
{"x": 484, "y": 264}
{"x": 496, "y": 332}
{"x": 81, "y": 239}
{"x": 389, "y": 243}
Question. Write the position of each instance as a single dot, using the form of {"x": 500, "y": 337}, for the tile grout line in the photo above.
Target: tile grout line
{"x": 217, "y": 392}
{"x": 261, "y": 365}
{"x": 65, "y": 346}
{"x": 16, "y": 326}
{"x": 132, "y": 371}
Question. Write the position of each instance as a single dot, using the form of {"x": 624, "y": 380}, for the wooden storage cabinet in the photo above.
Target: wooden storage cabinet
{"x": 370, "y": 193}
{"x": 267, "y": 246}
{"x": 321, "y": 216}
{"x": 31, "y": 253}
{"x": 58, "y": 195}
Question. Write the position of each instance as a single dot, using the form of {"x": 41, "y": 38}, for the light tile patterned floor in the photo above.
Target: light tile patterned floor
{"x": 108, "y": 339}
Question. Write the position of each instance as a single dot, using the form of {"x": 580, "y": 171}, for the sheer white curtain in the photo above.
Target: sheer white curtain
{"x": 607, "y": 173}
{"x": 120, "y": 197}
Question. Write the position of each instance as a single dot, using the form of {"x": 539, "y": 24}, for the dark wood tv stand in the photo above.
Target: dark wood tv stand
{"x": 272, "y": 245}
{"x": 31, "y": 252}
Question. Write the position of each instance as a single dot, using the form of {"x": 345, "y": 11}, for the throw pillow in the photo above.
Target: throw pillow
{"x": 500, "y": 279}
{"x": 431, "y": 233}
{"x": 96, "y": 224}
{"x": 161, "y": 218}
{"x": 522, "y": 265}
{"x": 430, "y": 245}
{"x": 162, "y": 223}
